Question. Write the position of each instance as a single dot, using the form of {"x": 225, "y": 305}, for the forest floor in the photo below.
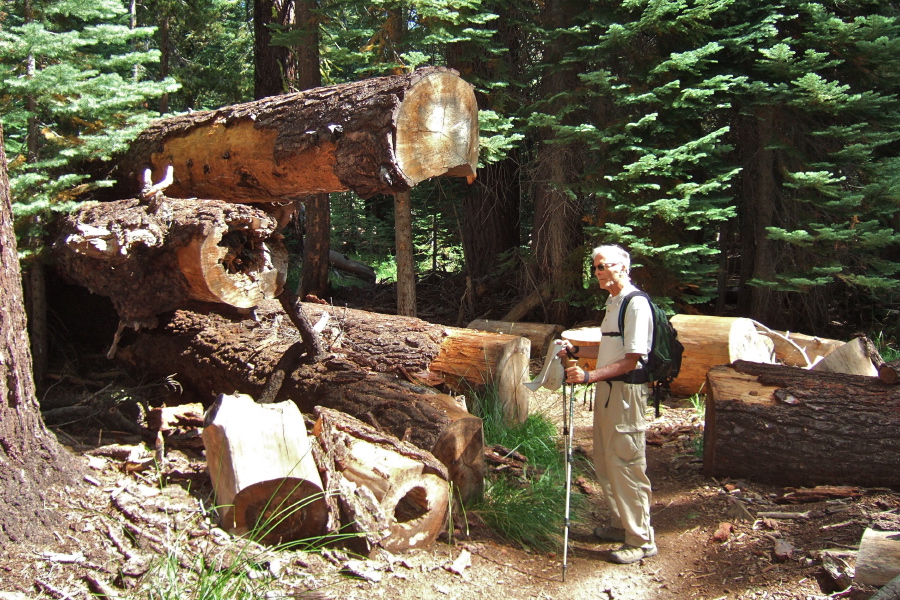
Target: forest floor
{"x": 148, "y": 533}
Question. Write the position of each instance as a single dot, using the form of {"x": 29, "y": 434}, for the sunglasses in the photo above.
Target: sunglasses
{"x": 603, "y": 266}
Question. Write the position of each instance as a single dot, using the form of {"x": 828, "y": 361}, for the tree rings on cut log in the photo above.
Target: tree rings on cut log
{"x": 228, "y": 265}
{"x": 435, "y": 132}
{"x": 711, "y": 341}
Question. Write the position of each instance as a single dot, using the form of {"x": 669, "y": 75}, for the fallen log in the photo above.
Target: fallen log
{"x": 711, "y": 341}
{"x": 377, "y": 136}
{"x": 262, "y": 469}
{"x": 214, "y": 349}
{"x": 469, "y": 360}
{"x": 392, "y": 492}
{"x": 341, "y": 262}
{"x": 539, "y": 334}
{"x": 889, "y": 372}
{"x": 878, "y": 561}
{"x": 154, "y": 257}
{"x": 801, "y": 427}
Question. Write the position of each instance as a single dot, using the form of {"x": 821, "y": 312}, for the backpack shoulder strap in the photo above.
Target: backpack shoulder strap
{"x": 625, "y": 302}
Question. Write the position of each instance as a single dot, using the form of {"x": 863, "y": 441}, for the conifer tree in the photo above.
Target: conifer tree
{"x": 71, "y": 68}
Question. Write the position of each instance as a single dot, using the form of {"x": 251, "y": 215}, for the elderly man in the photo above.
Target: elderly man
{"x": 619, "y": 408}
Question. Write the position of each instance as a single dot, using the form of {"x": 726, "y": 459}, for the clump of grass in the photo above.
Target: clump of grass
{"x": 529, "y": 511}
{"x": 886, "y": 346}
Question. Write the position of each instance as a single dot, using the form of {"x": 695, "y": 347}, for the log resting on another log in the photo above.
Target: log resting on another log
{"x": 212, "y": 349}
{"x": 152, "y": 258}
{"x": 376, "y": 136}
{"x": 790, "y": 426}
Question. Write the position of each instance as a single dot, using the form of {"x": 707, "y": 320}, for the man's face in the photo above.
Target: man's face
{"x": 609, "y": 275}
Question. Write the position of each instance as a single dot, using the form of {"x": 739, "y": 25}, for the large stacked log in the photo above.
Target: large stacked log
{"x": 213, "y": 350}
{"x": 539, "y": 334}
{"x": 149, "y": 258}
{"x": 710, "y": 341}
{"x": 791, "y": 426}
{"x": 377, "y": 136}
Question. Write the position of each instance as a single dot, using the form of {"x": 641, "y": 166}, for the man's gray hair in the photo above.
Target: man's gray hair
{"x": 615, "y": 254}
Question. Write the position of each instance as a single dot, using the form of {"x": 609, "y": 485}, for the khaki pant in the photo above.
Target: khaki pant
{"x": 620, "y": 457}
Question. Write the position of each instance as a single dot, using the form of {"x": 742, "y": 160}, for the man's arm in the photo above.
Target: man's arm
{"x": 620, "y": 367}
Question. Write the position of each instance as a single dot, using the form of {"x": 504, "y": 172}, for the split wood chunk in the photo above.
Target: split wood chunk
{"x": 470, "y": 360}
{"x": 394, "y": 493}
{"x": 878, "y": 561}
{"x": 262, "y": 469}
{"x": 711, "y": 341}
{"x": 378, "y": 136}
{"x": 857, "y": 357}
{"x": 801, "y": 427}
{"x": 797, "y": 349}
{"x": 539, "y": 334}
{"x": 152, "y": 258}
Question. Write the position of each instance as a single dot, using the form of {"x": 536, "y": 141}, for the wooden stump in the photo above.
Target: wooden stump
{"x": 470, "y": 360}
{"x": 378, "y": 136}
{"x": 539, "y": 334}
{"x": 152, "y": 258}
{"x": 790, "y": 426}
{"x": 262, "y": 470}
{"x": 879, "y": 557}
{"x": 710, "y": 341}
{"x": 392, "y": 492}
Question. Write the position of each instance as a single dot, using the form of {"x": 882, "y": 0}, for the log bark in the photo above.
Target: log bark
{"x": 262, "y": 469}
{"x": 539, "y": 334}
{"x": 470, "y": 360}
{"x": 801, "y": 428}
{"x": 212, "y": 351}
{"x": 392, "y": 492}
{"x": 878, "y": 561}
{"x": 710, "y": 341}
{"x": 152, "y": 258}
{"x": 377, "y": 136}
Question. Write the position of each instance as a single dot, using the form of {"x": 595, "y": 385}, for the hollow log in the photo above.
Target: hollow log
{"x": 795, "y": 427}
{"x": 262, "y": 469}
{"x": 878, "y": 561}
{"x": 710, "y": 341}
{"x": 213, "y": 349}
{"x": 152, "y": 258}
{"x": 392, "y": 492}
{"x": 377, "y": 136}
{"x": 470, "y": 360}
{"x": 539, "y": 334}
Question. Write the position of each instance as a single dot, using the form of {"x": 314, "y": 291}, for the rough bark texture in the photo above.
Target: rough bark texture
{"x": 790, "y": 426}
{"x": 406, "y": 266}
{"x": 380, "y": 135}
{"x": 213, "y": 351}
{"x": 152, "y": 258}
{"x": 31, "y": 461}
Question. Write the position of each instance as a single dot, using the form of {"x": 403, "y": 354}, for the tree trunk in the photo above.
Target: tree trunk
{"x": 711, "y": 341}
{"x": 316, "y": 246}
{"x": 406, "y": 266}
{"x": 262, "y": 469}
{"x": 272, "y": 63}
{"x": 381, "y": 135}
{"x": 309, "y": 71}
{"x": 801, "y": 428}
{"x": 218, "y": 351}
{"x": 393, "y": 493}
{"x": 31, "y": 461}
{"x": 172, "y": 251}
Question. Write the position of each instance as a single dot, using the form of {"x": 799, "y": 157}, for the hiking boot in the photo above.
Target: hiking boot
{"x": 631, "y": 554}
{"x": 610, "y": 534}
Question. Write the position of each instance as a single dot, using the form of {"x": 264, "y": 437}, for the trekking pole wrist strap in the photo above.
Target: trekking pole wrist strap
{"x": 587, "y": 377}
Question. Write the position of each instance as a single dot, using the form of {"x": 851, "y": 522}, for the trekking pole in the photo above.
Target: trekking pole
{"x": 568, "y": 432}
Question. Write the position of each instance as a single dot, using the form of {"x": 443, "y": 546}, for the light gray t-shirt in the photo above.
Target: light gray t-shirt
{"x": 638, "y": 334}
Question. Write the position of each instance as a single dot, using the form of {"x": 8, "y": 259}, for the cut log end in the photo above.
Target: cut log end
{"x": 281, "y": 510}
{"x": 233, "y": 266}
